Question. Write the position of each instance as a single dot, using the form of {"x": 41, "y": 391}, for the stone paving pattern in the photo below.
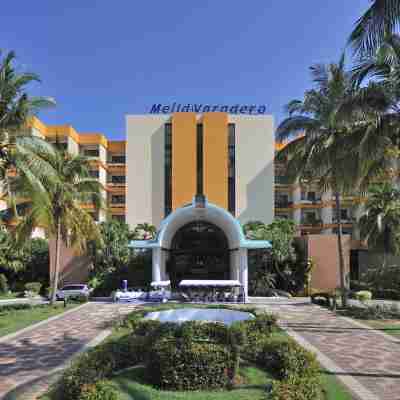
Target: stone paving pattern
{"x": 370, "y": 358}
{"x": 28, "y": 357}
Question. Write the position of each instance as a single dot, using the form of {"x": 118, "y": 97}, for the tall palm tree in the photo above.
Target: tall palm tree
{"x": 59, "y": 210}
{"x": 381, "y": 18}
{"x": 18, "y": 154}
{"x": 382, "y": 141}
{"x": 380, "y": 224}
{"x": 330, "y": 123}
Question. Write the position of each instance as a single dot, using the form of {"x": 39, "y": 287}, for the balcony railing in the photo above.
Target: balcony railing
{"x": 283, "y": 204}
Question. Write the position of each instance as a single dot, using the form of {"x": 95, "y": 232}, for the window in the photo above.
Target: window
{"x": 91, "y": 152}
{"x": 120, "y": 159}
{"x": 199, "y": 158}
{"x": 344, "y": 214}
{"x": 231, "y": 170}
{"x": 118, "y": 199}
{"x": 167, "y": 169}
{"x": 282, "y": 200}
{"x": 94, "y": 173}
{"x": 118, "y": 217}
{"x": 118, "y": 179}
{"x": 311, "y": 196}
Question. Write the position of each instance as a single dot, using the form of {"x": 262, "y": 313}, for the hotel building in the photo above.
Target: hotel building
{"x": 167, "y": 159}
{"x": 226, "y": 162}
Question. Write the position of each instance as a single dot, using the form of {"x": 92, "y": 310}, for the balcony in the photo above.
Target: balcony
{"x": 117, "y": 160}
{"x": 283, "y": 204}
{"x": 282, "y": 180}
{"x": 317, "y": 222}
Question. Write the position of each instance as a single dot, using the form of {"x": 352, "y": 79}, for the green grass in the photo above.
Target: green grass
{"x": 132, "y": 385}
{"x": 390, "y": 327}
{"x": 14, "y": 320}
{"x": 8, "y": 296}
{"x": 333, "y": 389}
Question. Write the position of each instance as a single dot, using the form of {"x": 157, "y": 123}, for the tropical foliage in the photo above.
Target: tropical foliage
{"x": 380, "y": 224}
{"x": 283, "y": 266}
{"x": 19, "y": 153}
{"x": 113, "y": 261}
{"x": 332, "y": 119}
{"x": 59, "y": 208}
{"x": 380, "y": 19}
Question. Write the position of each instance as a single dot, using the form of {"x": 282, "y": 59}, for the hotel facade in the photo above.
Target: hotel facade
{"x": 166, "y": 159}
{"x": 197, "y": 177}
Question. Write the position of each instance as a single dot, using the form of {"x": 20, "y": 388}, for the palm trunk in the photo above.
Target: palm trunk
{"x": 343, "y": 287}
{"x": 56, "y": 264}
{"x": 12, "y": 199}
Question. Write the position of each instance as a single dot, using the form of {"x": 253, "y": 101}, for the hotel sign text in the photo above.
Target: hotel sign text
{"x": 253, "y": 109}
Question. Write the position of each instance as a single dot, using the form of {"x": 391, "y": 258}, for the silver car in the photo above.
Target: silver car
{"x": 72, "y": 291}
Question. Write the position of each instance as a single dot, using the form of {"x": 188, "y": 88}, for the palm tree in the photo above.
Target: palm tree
{"x": 325, "y": 131}
{"x": 18, "y": 154}
{"x": 380, "y": 224}
{"x": 381, "y": 143}
{"x": 381, "y": 18}
{"x": 59, "y": 210}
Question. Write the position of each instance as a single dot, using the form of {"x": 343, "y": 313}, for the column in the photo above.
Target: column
{"x": 244, "y": 272}
{"x": 234, "y": 265}
{"x": 163, "y": 269}
{"x": 156, "y": 264}
{"x": 215, "y": 158}
{"x": 184, "y": 166}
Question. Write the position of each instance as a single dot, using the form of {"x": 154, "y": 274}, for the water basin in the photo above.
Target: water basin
{"x": 180, "y": 315}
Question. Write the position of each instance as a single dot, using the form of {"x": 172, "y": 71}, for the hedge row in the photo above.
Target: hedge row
{"x": 194, "y": 356}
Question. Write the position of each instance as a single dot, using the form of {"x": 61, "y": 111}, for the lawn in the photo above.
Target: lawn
{"x": 132, "y": 385}
{"x": 8, "y": 296}
{"x": 14, "y": 320}
{"x": 391, "y": 327}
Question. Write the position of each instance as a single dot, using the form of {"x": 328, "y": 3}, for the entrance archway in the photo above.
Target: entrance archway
{"x": 199, "y": 250}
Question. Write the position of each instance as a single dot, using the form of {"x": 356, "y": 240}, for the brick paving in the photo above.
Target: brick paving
{"x": 29, "y": 359}
{"x": 366, "y": 360}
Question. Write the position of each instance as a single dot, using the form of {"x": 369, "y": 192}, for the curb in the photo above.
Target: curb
{"x": 31, "y": 327}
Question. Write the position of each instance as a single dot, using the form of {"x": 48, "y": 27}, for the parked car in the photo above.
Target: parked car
{"x": 74, "y": 290}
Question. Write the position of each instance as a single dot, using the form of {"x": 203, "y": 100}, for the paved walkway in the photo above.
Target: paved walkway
{"x": 365, "y": 359}
{"x": 28, "y": 360}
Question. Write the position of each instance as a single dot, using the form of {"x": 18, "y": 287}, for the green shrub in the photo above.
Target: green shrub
{"x": 101, "y": 390}
{"x": 180, "y": 365}
{"x": 296, "y": 389}
{"x": 286, "y": 360}
{"x": 33, "y": 287}
{"x": 255, "y": 333}
{"x": 3, "y": 284}
{"x": 98, "y": 364}
{"x": 363, "y": 295}
{"x": 88, "y": 369}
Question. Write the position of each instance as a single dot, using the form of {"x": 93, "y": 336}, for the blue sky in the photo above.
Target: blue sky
{"x": 103, "y": 59}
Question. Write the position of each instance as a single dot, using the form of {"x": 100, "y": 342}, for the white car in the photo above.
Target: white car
{"x": 72, "y": 291}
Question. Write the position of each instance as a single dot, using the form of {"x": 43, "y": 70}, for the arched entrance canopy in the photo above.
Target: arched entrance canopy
{"x": 202, "y": 211}
{"x": 206, "y": 212}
